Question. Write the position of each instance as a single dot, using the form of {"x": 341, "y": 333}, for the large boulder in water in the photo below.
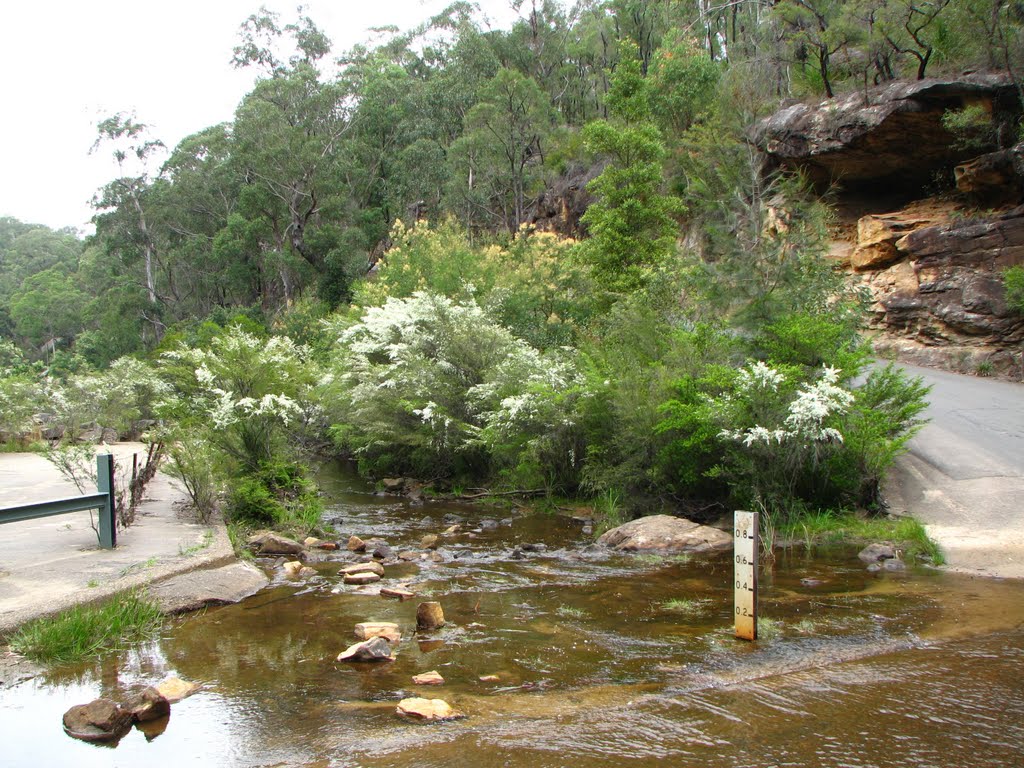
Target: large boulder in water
{"x": 270, "y": 543}
{"x": 665, "y": 535}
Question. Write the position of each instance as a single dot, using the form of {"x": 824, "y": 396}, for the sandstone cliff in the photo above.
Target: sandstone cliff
{"x": 932, "y": 263}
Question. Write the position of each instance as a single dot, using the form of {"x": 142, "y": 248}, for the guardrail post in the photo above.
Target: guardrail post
{"x": 105, "y": 484}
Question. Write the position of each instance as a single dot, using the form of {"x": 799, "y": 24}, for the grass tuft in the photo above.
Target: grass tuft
{"x": 827, "y": 527}
{"x": 684, "y": 605}
{"x": 85, "y": 631}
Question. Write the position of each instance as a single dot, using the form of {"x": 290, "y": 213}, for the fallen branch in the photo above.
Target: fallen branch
{"x": 483, "y": 493}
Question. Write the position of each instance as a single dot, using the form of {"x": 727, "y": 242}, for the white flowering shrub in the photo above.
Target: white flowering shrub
{"x": 21, "y": 397}
{"x": 251, "y": 400}
{"x": 786, "y": 436}
{"x": 128, "y": 390}
{"x": 779, "y": 431}
{"x": 253, "y": 395}
{"x": 431, "y": 386}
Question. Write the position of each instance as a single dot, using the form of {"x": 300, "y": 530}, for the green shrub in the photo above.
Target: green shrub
{"x": 193, "y": 462}
{"x": 251, "y": 501}
{"x": 885, "y": 414}
{"x": 1013, "y": 278}
{"x": 972, "y": 127}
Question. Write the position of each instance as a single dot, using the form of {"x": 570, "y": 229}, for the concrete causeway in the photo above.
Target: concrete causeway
{"x": 52, "y": 563}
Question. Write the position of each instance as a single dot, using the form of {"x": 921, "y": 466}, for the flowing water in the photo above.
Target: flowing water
{"x": 589, "y": 659}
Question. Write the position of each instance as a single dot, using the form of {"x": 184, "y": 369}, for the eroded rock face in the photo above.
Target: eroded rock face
{"x": 890, "y": 134}
{"x": 664, "y": 534}
{"x": 997, "y": 177}
{"x": 959, "y": 297}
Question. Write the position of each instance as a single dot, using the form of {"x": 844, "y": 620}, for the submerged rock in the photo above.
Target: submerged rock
{"x": 174, "y": 689}
{"x": 374, "y": 649}
{"x": 428, "y": 678}
{"x": 98, "y": 721}
{"x": 664, "y": 534}
{"x": 429, "y": 541}
{"x": 215, "y": 586}
{"x": 427, "y": 710}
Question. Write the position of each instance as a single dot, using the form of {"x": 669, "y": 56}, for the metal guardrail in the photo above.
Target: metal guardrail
{"x": 103, "y": 500}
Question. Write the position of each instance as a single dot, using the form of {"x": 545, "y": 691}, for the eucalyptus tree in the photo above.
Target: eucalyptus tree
{"x": 498, "y": 163}
{"x": 287, "y": 136}
{"x": 817, "y": 30}
{"x": 123, "y": 216}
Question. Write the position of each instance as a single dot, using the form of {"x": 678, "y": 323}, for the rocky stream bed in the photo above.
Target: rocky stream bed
{"x": 559, "y": 652}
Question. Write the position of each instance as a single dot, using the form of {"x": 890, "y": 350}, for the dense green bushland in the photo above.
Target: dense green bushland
{"x": 690, "y": 348}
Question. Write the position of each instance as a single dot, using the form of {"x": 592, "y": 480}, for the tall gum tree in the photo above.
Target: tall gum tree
{"x": 121, "y": 203}
{"x": 288, "y": 130}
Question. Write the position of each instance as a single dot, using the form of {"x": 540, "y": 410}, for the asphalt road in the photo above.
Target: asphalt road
{"x": 964, "y": 474}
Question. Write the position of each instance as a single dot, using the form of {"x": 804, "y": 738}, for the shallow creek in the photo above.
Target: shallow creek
{"x": 595, "y": 663}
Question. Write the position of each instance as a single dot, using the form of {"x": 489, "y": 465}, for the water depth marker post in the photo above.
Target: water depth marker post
{"x": 745, "y": 573}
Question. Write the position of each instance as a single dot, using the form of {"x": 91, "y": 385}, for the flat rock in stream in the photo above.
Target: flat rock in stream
{"x": 665, "y": 535}
{"x": 174, "y": 689}
{"x": 428, "y": 678}
{"x": 217, "y": 586}
{"x": 367, "y": 630}
{"x": 371, "y": 567}
{"x": 360, "y": 579}
{"x": 398, "y": 591}
{"x": 427, "y": 710}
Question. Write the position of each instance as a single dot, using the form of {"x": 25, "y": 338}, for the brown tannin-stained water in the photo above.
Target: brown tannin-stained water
{"x": 600, "y": 660}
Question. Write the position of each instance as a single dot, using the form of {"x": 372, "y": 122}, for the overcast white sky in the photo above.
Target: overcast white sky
{"x": 69, "y": 63}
